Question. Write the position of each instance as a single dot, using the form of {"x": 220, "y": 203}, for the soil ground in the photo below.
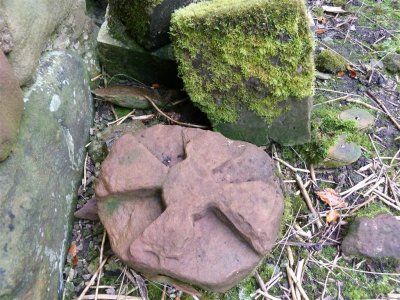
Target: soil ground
{"x": 364, "y": 35}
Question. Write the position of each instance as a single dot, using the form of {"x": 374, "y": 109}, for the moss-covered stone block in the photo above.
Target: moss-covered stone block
{"x": 120, "y": 54}
{"x": 147, "y": 21}
{"x": 249, "y": 66}
{"x": 331, "y": 62}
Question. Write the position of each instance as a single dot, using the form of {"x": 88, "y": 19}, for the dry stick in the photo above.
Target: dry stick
{"x": 169, "y": 118}
{"x": 85, "y": 171}
{"x": 369, "y": 200}
{"x": 101, "y": 257}
{"x": 364, "y": 104}
{"x": 312, "y": 173}
{"x": 92, "y": 279}
{"x": 327, "y": 276}
{"x": 275, "y": 154}
{"x": 263, "y": 287}
{"x": 291, "y": 284}
{"x": 308, "y": 200}
{"x": 380, "y": 103}
{"x": 298, "y": 284}
{"x": 110, "y": 297}
{"x": 290, "y": 166}
{"x": 122, "y": 283}
{"x": 337, "y": 92}
{"x": 333, "y": 100}
{"x": 394, "y": 158}
{"x": 383, "y": 197}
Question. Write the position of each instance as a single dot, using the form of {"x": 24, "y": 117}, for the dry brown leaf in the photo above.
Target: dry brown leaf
{"x": 72, "y": 250}
{"x": 331, "y": 198}
{"x": 72, "y": 253}
{"x": 353, "y": 74}
{"x": 340, "y": 74}
{"x": 332, "y": 216}
{"x": 320, "y": 30}
{"x": 322, "y": 19}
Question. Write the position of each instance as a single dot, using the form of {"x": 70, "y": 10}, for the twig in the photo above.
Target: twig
{"x": 264, "y": 288}
{"x": 308, "y": 200}
{"x": 92, "y": 279}
{"x": 298, "y": 284}
{"x": 110, "y": 297}
{"x": 169, "y": 118}
{"x": 290, "y": 166}
{"x": 101, "y": 258}
{"x": 364, "y": 104}
{"x": 384, "y": 109}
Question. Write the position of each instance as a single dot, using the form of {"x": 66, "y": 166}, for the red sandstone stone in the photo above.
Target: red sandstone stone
{"x": 190, "y": 204}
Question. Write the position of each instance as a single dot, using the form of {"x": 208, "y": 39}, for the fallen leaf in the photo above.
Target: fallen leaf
{"x": 320, "y": 30}
{"x": 322, "y": 19}
{"x": 340, "y": 74}
{"x": 352, "y": 72}
{"x": 333, "y": 9}
{"x": 156, "y": 86}
{"x": 72, "y": 254}
{"x": 331, "y": 198}
{"x": 72, "y": 250}
{"x": 332, "y": 216}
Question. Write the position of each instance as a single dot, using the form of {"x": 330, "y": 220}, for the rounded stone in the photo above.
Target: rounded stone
{"x": 189, "y": 204}
{"x": 362, "y": 117}
{"x": 342, "y": 153}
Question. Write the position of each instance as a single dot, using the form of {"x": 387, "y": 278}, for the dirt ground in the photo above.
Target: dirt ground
{"x": 363, "y": 35}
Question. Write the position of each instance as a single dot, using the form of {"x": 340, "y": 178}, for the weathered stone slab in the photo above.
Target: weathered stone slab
{"x": 120, "y": 54}
{"x": 374, "y": 237}
{"x": 11, "y": 107}
{"x": 252, "y": 56}
{"x": 31, "y": 23}
{"x": 39, "y": 181}
{"x": 162, "y": 192}
{"x": 147, "y": 21}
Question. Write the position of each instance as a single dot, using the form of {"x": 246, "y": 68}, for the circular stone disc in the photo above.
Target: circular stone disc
{"x": 362, "y": 117}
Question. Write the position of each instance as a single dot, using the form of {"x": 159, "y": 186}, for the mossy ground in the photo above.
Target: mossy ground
{"x": 252, "y": 54}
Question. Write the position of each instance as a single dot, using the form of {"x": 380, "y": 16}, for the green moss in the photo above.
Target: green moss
{"x": 329, "y": 61}
{"x": 252, "y": 54}
{"x": 121, "y": 111}
{"x": 373, "y": 209}
{"x": 135, "y": 15}
{"x": 319, "y": 11}
{"x": 339, "y": 2}
{"x": 355, "y": 285}
{"x": 326, "y": 128}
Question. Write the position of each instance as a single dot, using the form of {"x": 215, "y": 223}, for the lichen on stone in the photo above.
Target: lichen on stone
{"x": 247, "y": 53}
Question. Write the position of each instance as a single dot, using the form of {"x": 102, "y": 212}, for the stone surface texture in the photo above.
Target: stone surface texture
{"x": 147, "y": 21}
{"x": 32, "y": 24}
{"x": 11, "y": 107}
{"x": 6, "y": 41}
{"x": 342, "y": 154}
{"x": 374, "y": 237}
{"x": 41, "y": 177}
{"x": 190, "y": 204}
{"x": 120, "y": 54}
{"x": 362, "y": 117}
{"x": 248, "y": 56}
